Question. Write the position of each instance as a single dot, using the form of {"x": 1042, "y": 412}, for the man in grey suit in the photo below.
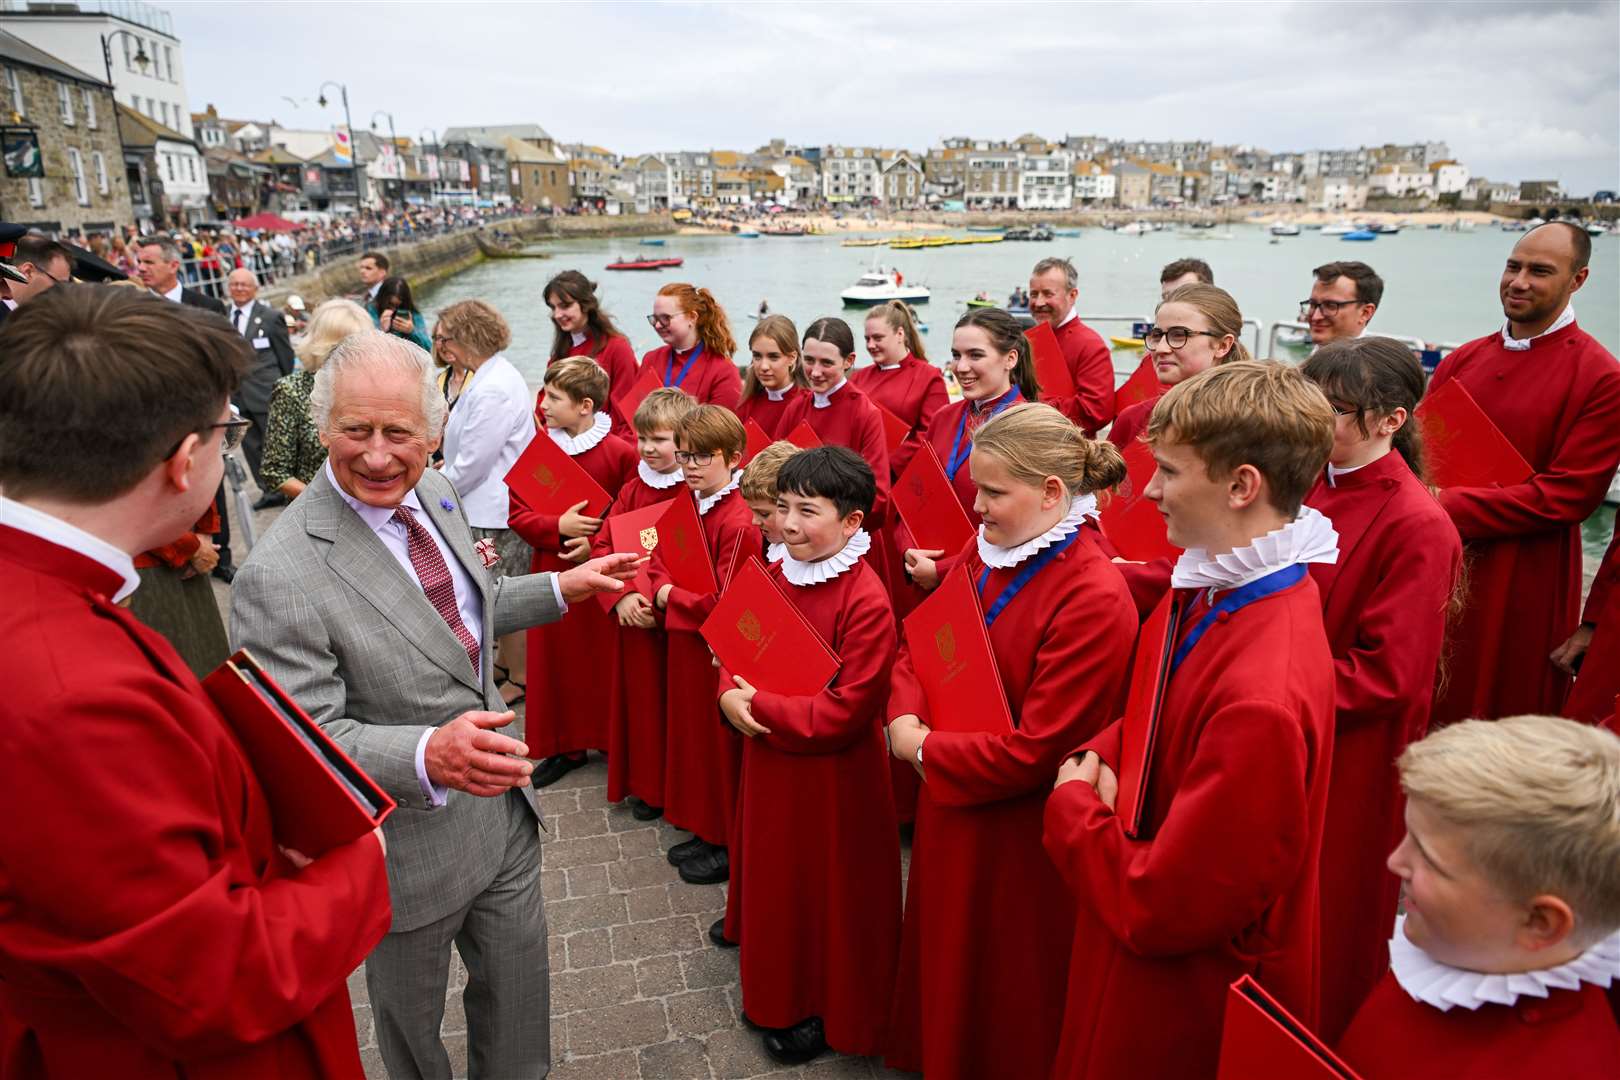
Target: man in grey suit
{"x": 368, "y": 602}
{"x": 266, "y": 331}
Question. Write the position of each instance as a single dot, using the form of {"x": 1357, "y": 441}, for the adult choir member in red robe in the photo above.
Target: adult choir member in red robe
{"x": 697, "y": 345}
{"x": 815, "y": 876}
{"x": 153, "y": 926}
{"x": 1592, "y": 652}
{"x": 1054, "y": 286}
{"x": 1555, "y": 393}
{"x": 1511, "y": 870}
{"x": 1221, "y": 880}
{"x": 1384, "y": 603}
{"x": 584, "y": 329}
{"x": 775, "y": 378}
{"x": 972, "y": 1003}
{"x": 572, "y": 669}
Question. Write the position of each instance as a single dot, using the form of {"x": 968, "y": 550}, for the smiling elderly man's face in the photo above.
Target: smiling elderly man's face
{"x": 377, "y": 440}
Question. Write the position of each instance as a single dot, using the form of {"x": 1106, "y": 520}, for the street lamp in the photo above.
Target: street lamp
{"x": 433, "y": 184}
{"x": 354, "y": 151}
{"x": 393, "y": 141}
{"x": 141, "y": 58}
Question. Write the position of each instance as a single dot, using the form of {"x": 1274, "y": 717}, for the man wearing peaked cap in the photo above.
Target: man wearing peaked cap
{"x": 9, "y": 235}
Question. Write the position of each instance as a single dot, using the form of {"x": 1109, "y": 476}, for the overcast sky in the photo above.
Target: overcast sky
{"x": 1519, "y": 90}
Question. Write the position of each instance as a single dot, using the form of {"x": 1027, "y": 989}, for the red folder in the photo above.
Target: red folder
{"x": 550, "y": 481}
{"x": 648, "y": 381}
{"x": 804, "y": 436}
{"x": 682, "y": 548}
{"x": 1129, "y": 519}
{"x": 634, "y": 532}
{"x": 895, "y": 429}
{"x": 1051, "y": 369}
{"x": 1461, "y": 447}
{"x": 1141, "y": 386}
{"x": 1139, "y": 729}
{"x": 928, "y": 505}
{"x": 759, "y": 634}
{"x": 950, "y": 651}
{"x": 1261, "y": 1040}
{"x": 757, "y": 441}
{"x": 319, "y": 798}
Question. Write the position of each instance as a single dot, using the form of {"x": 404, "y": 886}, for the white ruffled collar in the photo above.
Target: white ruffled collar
{"x": 814, "y": 573}
{"x": 658, "y": 481}
{"x": 1427, "y": 980}
{"x": 1513, "y": 344}
{"x": 1001, "y": 558}
{"x": 706, "y": 502}
{"x": 775, "y": 552}
{"x": 822, "y": 401}
{"x": 1309, "y": 538}
{"x": 574, "y": 445}
{"x": 777, "y": 395}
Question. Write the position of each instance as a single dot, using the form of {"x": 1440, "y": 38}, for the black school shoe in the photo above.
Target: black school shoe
{"x": 644, "y": 811}
{"x": 708, "y": 867}
{"x": 717, "y": 934}
{"x": 804, "y": 1041}
{"x": 553, "y": 769}
{"x": 684, "y": 850}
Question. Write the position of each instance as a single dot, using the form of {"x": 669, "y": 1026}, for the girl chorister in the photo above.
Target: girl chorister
{"x": 775, "y": 377}
{"x": 900, "y": 378}
{"x": 697, "y": 345}
{"x": 584, "y": 329}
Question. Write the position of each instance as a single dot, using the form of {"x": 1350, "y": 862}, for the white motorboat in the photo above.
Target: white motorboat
{"x": 879, "y": 286}
{"x": 1338, "y": 228}
{"x": 1136, "y": 228}
{"x": 1284, "y": 228}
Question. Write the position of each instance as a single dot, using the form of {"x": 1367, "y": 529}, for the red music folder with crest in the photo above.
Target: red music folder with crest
{"x": 646, "y": 382}
{"x": 895, "y": 429}
{"x": 1142, "y": 385}
{"x": 927, "y": 503}
{"x": 1129, "y": 519}
{"x": 758, "y": 633}
{"x": 550, "y": 481}
{"x": 681, "y": 547}
{"x": 1261, "y": 1039}
{"x": 1462, "y": 447}
{"x": 803, "y": 436}
{"x": 1051, "y": 370}
{"x": 319, "y": 798}
{"x": 950, "y": 651}
{"x": 1139, "y": 729}
{"x": 757, "y": 441}
{"x": 634, "y": 532}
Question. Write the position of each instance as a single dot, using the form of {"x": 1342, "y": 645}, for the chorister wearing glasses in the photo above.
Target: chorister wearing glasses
{"x": 1174, "y": 336}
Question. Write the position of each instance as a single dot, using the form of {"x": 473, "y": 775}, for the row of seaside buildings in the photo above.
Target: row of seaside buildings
{"x": 98, "y": 134}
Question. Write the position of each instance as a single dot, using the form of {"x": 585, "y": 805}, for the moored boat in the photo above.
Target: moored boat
{"x": 644, "y": 264}
{"x": 1284, "y": 228}
{"x": 1338, "y": 228}
{"x": 879, "y": 286}
{"x": 1359, "y": 234}
{"x": 651, "y": 241}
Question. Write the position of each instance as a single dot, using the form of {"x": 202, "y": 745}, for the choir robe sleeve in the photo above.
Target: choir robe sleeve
{"x": 1080, "y": 665}
{"x": 1148, "y": 582}
{"x": 850, "y": 707}
{"x": 684, "y": 609}
{"x": 724, "y": 385}
{"x": 146, "y": 916}
{"x": 1092, "y": 406}
{"x": 1232, "y": 841}
{"x": 1565, "y": 493}
{"x": 540, "y": 531}
{"x": 934, "y": 398}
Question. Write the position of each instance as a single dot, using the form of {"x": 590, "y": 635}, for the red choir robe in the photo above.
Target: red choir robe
{"x": 1225, "y": 884}
{"x": 1091, "y": 366}
{"x": 1132, "y": 421}
{"x": 913, "y": 390}
{"x": 152, "y": 926}
{"x": 815, "y": 853}
{"x": 636, "y": 706}
{"x": 989, "y": 925}
{"x": 712, "y": 380}
{"x": 702, "y": 754}
{"x": 768, "y": 414}
{"x": 1596, "y": 687}
{"x": 1559, "y": 404}
{"x": 572, "y": 664}
{"x": 1569, "y": 1033}
{"x": 853, "y": 421}
{"x": 1150, "y": 580}
{"x": 1384, "y": 605}
{"x": 618, "y": 359}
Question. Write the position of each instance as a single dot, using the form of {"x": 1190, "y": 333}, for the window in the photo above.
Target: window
{"x": 129, "y": 53}
{"x": 168, "y": 61}
{"x": 157, "y": 60}
{"x": 168, "y": 166}
{"x": 14, "y": 87}
{"x": 36, "y": 191}
{"x": 100, "y": 162}
{"x": 81, "y": 190}
{"x": 64, "y": 96}
{"x": 89, "y": 98}
{"x": 191, "y": 168}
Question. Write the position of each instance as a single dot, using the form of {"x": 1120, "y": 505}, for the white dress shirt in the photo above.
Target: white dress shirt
{"x": 174, "y": 293}
{"x": 54, "y": 530}
{"x": 242, "y": 317}
{"x": 490, "y": 426}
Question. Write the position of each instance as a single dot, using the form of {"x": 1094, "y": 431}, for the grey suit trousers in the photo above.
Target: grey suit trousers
{"x": 501, "y": 935}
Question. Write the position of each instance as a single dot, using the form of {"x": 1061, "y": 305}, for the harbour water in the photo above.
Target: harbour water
{"x": 1440, "y": 286}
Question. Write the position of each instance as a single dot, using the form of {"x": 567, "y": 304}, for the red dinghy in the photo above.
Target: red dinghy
{"x": 644, "y": 264}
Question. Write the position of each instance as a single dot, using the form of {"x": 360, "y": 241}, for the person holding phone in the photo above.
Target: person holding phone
{"x": 397, "y": 313}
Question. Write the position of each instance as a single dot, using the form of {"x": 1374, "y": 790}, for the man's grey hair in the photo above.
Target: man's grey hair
{"x": 374, "y": 350}
{"x": 170, "y": 250}
{"x": 1071, "y": 276}
{"x": 253, "y": 277}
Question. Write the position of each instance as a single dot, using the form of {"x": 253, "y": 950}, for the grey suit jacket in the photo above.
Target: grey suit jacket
{"x": 335, "y": 619}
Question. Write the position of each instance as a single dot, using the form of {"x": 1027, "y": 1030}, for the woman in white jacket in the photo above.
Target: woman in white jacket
{"x": 490, "y": 423}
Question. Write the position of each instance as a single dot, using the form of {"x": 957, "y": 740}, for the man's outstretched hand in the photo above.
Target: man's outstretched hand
{"x": 468, "y": 755}
{"x": 605, "y": 575}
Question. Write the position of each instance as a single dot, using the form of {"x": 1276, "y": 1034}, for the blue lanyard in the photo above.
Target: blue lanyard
{"x": 1006, "y": 595}
{"x": 959, "y": 453}
{"x": 1276, "y": 581}
{"x": 669, "y": 365}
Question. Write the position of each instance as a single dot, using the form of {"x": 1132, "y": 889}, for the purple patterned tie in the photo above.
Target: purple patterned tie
{"x": 434, "y": 575}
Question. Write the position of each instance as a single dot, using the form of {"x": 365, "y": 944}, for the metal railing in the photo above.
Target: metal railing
{"x": 1429, "y": 354}
{"x": 1139, "y": 325}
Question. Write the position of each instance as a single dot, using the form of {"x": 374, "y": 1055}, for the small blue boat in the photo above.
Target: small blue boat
{"x": 1360, "y": 234}
{"x": 1066, "y": 232}
{"x": 652, "y": 241}
{"x": 747, "y": 234}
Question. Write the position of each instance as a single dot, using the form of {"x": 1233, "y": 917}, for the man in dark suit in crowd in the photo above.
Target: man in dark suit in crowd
{"x": 373, "y": 268}
{"x": 266, "y": 331}
{"x": 9, "y": 274}
{"x": 160, "y": 272}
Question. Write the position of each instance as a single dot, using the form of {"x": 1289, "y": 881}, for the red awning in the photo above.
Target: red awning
{"x": 267, "y": 222}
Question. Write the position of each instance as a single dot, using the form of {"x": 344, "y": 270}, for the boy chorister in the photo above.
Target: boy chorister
{"x": 636, "y": 710}
{"x": 1221, "y": 879}
{"x": 702, "y": 754}
{"x": 815, "y": 884}
{"x": 1511, "y": 869}
{"x": 570, "y": 667}
{"x": 759, "y": 492}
